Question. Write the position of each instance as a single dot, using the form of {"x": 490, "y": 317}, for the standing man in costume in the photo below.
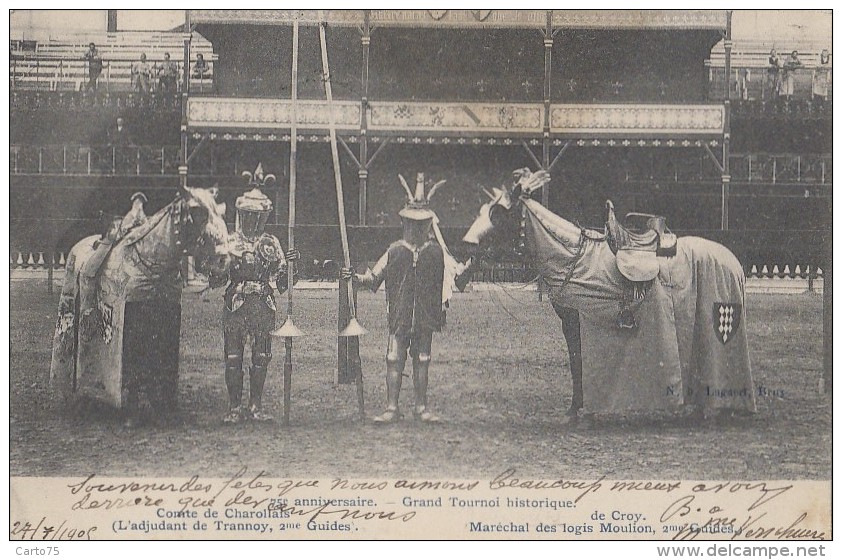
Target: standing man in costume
{"x": 420, "y": 274}
{"x": 255, "y": 258}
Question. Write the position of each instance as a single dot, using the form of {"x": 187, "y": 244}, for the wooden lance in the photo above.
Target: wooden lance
{"x": 289, "y": 330}
{"x": 354, "y": 328}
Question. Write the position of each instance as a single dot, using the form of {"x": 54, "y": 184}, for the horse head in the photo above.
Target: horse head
{"x": 206, "y": 230}
{"x": 498, "y": 222}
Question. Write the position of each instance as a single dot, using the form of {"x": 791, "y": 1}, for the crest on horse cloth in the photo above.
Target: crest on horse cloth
{"x": 106, "y": 322}
{"x": 726, "y": 320}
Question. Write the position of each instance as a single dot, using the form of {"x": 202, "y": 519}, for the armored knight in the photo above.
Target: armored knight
{"x": 420, "y": 274}
{"x": 255, "y": 258}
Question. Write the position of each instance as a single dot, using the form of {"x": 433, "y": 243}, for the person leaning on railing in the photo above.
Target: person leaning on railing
{"x": 774, "y": 71}
{"x": 142, "y": 75}
{"x": 94, "y": 66}
{"x": 793, "y": 63}
{"x": 168, "y": 74}
{"x": 821, "y": 77}
{"x": 201, "y": 68}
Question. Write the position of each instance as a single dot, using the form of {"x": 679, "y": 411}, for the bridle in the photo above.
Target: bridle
{"x": 580, "y": 250}
{"x": 181, "y": 219}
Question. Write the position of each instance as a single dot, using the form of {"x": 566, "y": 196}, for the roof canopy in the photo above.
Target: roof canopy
{"x": 582, "y": 19}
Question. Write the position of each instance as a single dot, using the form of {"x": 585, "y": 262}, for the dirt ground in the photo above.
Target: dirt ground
{"x": 499, "y": 379}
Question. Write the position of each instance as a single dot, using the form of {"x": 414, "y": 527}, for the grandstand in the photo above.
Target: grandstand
{"x": 623, "y": 105}
{"x": 58, "y": 63}
{"x": 750, "y": 64}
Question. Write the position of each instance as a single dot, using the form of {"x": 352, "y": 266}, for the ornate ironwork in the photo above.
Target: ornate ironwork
{"x": 246, "y": 117}
{"x": 244, "y": 114}
{"x": 640, "y": 119}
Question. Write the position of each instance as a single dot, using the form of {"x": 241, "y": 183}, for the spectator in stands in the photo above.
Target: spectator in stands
{"x": 168, "y": 75}
{"x": 821, "y": 77}
{"x": 119, "y": 136}
{"x": 142, "y": 75}
{"x": 121, "y": 144}
{"x": 775, "y": 67}
{"x": 788, "y": 81}
{"x": 201, "y": 69}
{"x": 94, "y": 66}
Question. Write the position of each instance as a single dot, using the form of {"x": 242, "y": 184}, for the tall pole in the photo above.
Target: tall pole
{"x": 545, "y": 156}
{"x": 349, "y": 347}
{"x": 340, "y": 204}
{"x": 185, "y": 85}
{"x": 726, "y": 136}
{"x": 293, "y": 145}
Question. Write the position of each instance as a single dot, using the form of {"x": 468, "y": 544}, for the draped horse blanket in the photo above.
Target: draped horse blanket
{"x": 111, "y": 302}
{"x": 690, "y": 343}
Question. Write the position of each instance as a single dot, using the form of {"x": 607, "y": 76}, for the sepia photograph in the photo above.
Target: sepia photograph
{"x": 417, "y": 274}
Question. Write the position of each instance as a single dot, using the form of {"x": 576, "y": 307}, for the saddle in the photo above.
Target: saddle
{"x": 637, "y": 253}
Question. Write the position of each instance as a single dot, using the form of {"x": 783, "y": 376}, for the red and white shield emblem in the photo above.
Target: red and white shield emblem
{"x": 726, "y": 320}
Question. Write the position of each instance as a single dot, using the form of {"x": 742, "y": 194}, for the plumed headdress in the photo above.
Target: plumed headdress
{"x": 418, "y": 204}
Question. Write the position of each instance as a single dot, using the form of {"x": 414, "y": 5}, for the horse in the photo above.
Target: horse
{"x": 671, "y": 340}
{"x": 119, "y": 312}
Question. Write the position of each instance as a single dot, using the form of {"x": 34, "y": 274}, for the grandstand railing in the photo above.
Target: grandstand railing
{"x": 73, "y": 159}
{"x": 782, "y": 108}
{"x": 760, "y": 168}
{"x": 782, "y": 168}
{"x": 80, "y": 159}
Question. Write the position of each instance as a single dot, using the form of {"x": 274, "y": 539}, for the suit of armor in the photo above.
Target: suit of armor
{"x": 415, "y": 270}
{"x": 255, "y": 258}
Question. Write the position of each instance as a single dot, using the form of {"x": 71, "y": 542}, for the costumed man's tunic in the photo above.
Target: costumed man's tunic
{"x": 420, "y": 274}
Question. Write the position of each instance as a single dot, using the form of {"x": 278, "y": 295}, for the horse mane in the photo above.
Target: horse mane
{"x": 562, "y": 230}
{"x": 151, "y": 223}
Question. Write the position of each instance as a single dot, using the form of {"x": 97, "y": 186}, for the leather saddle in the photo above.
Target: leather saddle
{"x": 637, "y": 250}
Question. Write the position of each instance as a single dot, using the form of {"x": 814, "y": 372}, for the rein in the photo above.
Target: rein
{"x": 580, "y": 252}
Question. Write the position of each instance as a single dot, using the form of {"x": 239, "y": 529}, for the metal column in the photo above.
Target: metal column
{"x": 185, "y": 86}
{"x": 726, "y": 136}
{"x": 363, "y": 172}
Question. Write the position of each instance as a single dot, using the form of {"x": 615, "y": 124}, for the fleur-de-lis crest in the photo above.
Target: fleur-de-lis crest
{"x": 258, "y": 178}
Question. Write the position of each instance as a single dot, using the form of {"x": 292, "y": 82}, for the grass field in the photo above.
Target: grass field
{"x": 499, "y": 379}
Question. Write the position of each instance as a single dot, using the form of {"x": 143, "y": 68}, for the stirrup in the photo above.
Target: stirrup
{"x": 389, "y": 416}
{"x": 423, "y": 415}
{"x": 233, "y": 416}
{"x": 257, "y": 414}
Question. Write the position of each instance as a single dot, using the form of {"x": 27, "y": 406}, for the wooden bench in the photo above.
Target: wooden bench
{"x": 59, "y": 64}
{"x": 750, "y": 65}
